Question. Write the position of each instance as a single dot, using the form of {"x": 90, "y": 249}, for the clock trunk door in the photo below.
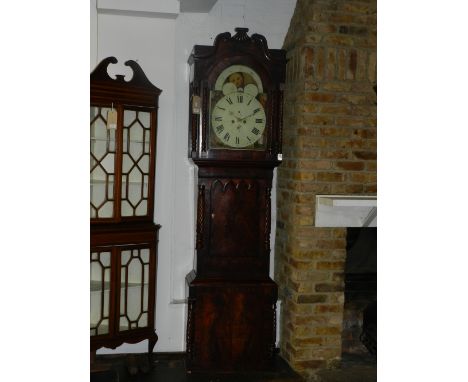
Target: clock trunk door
{"x": 236, "y": 228}
{"x": 235, "y": 213}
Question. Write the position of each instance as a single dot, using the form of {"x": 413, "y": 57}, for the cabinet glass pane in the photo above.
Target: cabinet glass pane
{"x": 135, "y": 163}
{"x": 100, "y": 292}
{"x": 134, "y": 276}
{"x": 102, "y": 161}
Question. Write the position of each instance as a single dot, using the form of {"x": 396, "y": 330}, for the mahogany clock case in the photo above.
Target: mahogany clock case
{"x": 231, "y": 323}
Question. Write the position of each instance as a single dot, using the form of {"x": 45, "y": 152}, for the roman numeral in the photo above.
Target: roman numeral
{"x": 240, "y": 98}
{"x": 255, "y": 131}
{"x": 258, "y": 120}
{"x": 220, "y": 108}
{"x": 218, "y": 119}
{"x": 256, "y": 111}
{"x": 219, "y": 129}
{"x": 237, "y": 140}
{"x": 229, "y": 100}
{"x": 226, "y": 137}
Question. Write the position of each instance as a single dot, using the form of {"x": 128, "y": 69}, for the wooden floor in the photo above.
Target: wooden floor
{"x": 171, "y": 368}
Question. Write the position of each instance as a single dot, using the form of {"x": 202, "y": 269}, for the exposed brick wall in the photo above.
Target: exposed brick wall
{"x": 329, "y": 147}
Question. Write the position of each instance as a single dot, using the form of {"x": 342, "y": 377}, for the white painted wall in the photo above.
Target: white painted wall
{"x": 161, "y": 45}
{"x": 93, "y": 33}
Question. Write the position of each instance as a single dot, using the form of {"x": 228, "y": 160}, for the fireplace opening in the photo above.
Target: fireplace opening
{"x": 359, "y": 336}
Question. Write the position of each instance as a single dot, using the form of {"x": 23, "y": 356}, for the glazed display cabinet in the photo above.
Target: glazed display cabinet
{"x": 124, "y": 237}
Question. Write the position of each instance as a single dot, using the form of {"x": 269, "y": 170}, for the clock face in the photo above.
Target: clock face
{"x": 238, "y": 120}
{"x": 237, "y": 110}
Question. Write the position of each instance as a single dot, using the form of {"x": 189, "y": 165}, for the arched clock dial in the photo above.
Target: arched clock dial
{"x": 238, "y": 120}
{"x": 238, "y": 115}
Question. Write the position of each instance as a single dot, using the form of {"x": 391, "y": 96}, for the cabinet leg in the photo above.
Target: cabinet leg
{"x": 132, "y": 364}
{"x": 151, "y": 343}
{"x": 97, "y": 366}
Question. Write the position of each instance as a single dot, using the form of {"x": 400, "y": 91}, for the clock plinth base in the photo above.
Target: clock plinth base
{"x": 231, "y": 325}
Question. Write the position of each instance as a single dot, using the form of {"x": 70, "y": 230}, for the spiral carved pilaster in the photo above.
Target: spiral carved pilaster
{"x": 190, "y": 328}
{"x": 267, "y": 219}
{"x": 195, "y": 123}
{"x": 204, "y": 117}
{"x": 200, "y": 216}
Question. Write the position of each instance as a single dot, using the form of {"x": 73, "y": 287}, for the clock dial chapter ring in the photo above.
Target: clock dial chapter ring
{"x": 238, "y": 120}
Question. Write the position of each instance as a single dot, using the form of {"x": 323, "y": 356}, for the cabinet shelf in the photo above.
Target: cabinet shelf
{"x": 96, "y": 285}
{"x": 104, "y": 329}
{"x": 102, "y": 181}
{"x": 97, "y": 139}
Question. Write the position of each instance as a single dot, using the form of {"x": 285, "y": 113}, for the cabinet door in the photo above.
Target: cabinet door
{"x": 137, "y": 287}
{"x": 137, "y": 167}
{"x": 122, "y": 164}
{"x": 122, "y": 291}
{"x": 101, "y": 297}
{"x": 236, "y": 218}
{"x": 103, "y": 158}
{"x": 235, "y": 228}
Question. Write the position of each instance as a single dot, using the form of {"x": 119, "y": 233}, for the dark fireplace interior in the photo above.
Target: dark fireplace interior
{"x": 360, "y": 308}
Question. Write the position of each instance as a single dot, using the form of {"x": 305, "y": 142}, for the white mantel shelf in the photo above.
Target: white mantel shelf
{"x": 152, "y": 8}
{"x": 345, "y": 211}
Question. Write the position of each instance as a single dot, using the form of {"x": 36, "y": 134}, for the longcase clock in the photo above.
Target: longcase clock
{"x": 235, "y": 125}
{"x": 123, "y": 129}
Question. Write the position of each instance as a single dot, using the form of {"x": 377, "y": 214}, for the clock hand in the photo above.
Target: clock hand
{"x": 231, "y": 113}
{"x": 248, "y": 116}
